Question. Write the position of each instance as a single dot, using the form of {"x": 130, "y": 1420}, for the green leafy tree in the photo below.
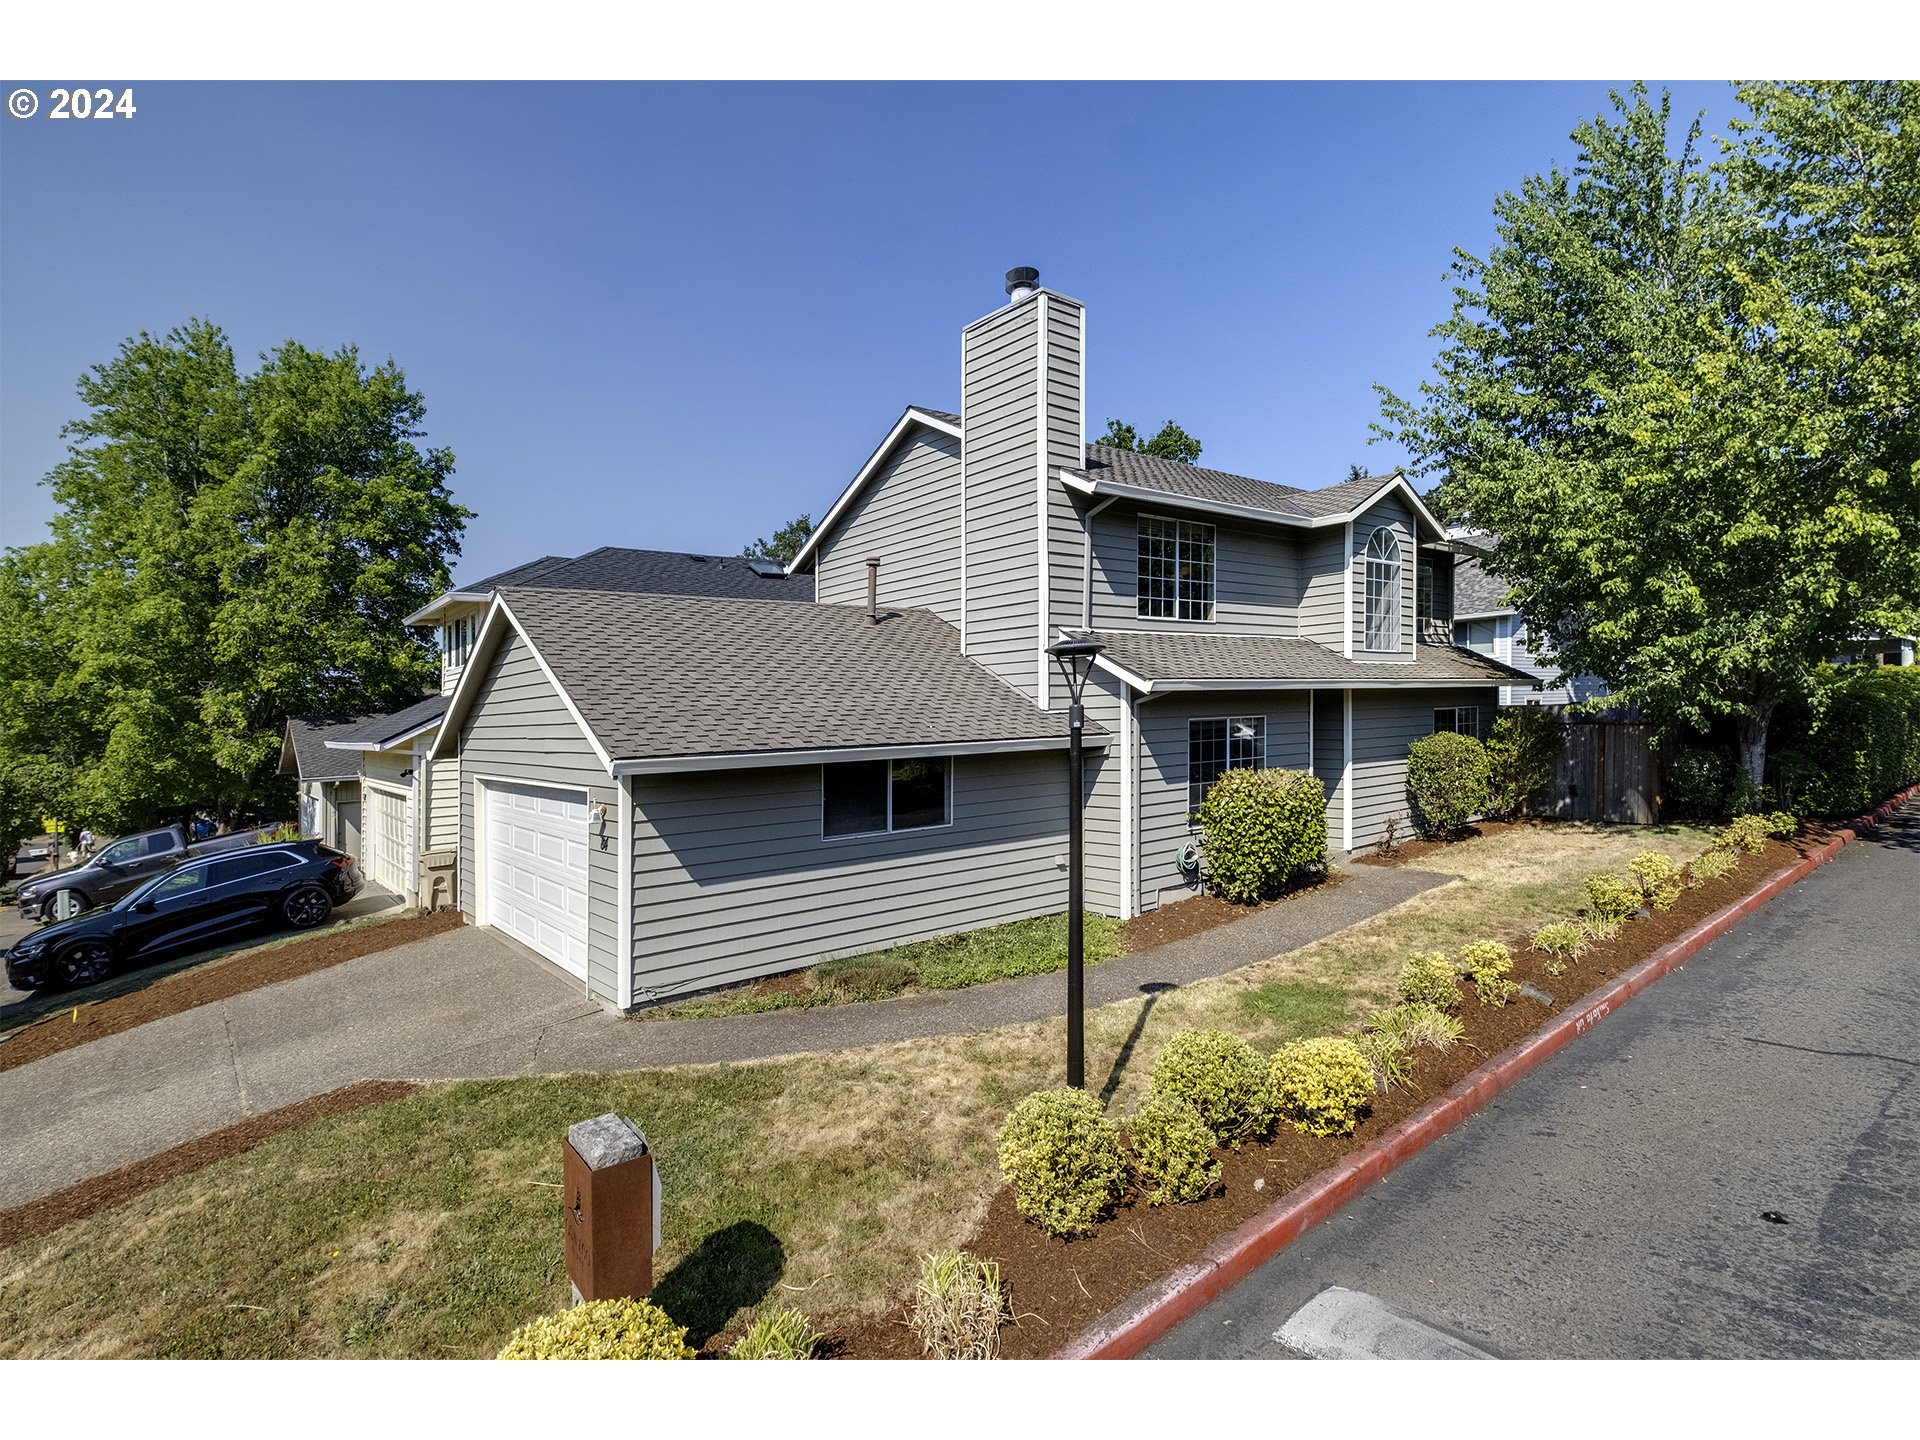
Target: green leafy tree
{"x": 785, "y": 544}
{"x": 229, "y": 549}
{"x": 1171, "y": 443}
{"x": 1683, "y": 395}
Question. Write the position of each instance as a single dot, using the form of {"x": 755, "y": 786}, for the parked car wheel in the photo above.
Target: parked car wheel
{"x": 84, "y": 963}
{"x": 306, "y": 906}
{"x": 64, "y": 905}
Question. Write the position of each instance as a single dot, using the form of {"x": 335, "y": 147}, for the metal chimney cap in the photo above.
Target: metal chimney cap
{"x": 1021, "y": 280}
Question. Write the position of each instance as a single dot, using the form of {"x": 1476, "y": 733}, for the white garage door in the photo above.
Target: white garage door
{"x": 536, "y": 879}
{"x": 386, "y": 839}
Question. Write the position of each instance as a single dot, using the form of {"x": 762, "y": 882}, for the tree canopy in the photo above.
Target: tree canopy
{"x": 1682, "y": 390}
{"x": 785, "y": 544}
{"x": 229, "y": 549}
{"x": 1171, "y": 443}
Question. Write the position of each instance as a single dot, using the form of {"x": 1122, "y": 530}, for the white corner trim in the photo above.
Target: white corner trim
{"x": 1129, "y": 805}
{"x": 1347, "y": 773}
{"x": 963, "y": 492}
{"x": 908, "y": 419}
{"x": 1043, "y": 692}
{"x": 1346, "y": 595}
{"x": 623, "y": 898}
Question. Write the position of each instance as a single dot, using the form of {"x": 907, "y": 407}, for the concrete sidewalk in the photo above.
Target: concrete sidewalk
{"x": 470, "y": 1003}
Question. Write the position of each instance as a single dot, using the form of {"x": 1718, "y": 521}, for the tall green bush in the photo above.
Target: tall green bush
{"x": 1522, "y": 748}
{"x": 1450, "y": 777}
{"x": 1261, "y": 828}
{"x": 1852, "y": 743}
{"x": 1698, "y": 784}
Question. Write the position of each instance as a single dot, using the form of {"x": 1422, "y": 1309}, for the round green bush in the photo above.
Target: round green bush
{"x": 1259, "y": 829}
{"x": 1221, "y": 1076}
{"x": 1062, "y": 1156}
{"x": 1430, "y": 980}
{"x": 1172, "y": 1150}
{"x": 1450, "y": 778}
{"x": 1321, "y": 1086}
{"x": 601, "y": 1330}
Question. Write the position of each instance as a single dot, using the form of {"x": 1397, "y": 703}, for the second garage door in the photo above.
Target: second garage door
{"x": 389, "y": 856}
{"x": 536, "y": 870}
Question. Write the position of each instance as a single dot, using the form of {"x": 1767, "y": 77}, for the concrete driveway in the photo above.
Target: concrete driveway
{"x": 1727, "y": 1167}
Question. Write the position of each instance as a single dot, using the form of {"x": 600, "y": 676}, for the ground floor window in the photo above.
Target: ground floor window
{"x": 873, "y": 797}
{"x": 1462, "y": 719}
{"x": 1217, "y": 746}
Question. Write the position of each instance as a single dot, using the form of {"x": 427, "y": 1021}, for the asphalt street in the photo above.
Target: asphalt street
{"x": 1727, "y": 1166}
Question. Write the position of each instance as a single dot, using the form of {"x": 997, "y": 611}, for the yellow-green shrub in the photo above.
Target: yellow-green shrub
{"x": 1062, "y": 1156}
{"x": 1658, "y": 878}
{"x": 1221, "y": 1076}
{"x": 1321, "y": 1086}
{"x": 1172, "y": 1150}
{"x": 1488, "y": 962}
{"x": 601, "y": 1330}
{"x": 1430, "y": 980}
{"x": 1781, "y": 825}
{"x": 1747, "y": 832}
{"x": 1610, "y": 900}
{"x": 1563, "y": 940}
{"x": 777, "y": 1335}
{"x": 1261, "y": 828}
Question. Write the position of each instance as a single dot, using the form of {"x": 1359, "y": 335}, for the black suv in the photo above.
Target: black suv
{"x": 295, "y": 883}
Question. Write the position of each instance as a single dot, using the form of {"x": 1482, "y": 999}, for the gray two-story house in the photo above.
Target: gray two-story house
{"x": 667, "y": 793}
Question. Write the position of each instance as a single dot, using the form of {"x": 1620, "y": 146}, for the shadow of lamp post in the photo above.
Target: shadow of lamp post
{"x": 1075, "y": 657}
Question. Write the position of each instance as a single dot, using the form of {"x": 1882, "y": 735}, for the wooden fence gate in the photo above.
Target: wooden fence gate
{"x": 1607, "y": 770}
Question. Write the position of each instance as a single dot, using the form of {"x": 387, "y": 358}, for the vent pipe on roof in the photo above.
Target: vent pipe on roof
{"x": 873, "y": 592}
{"x": 1022, "y": 282}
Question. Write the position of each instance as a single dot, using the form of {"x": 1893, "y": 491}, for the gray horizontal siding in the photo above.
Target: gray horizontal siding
{"x": 999, "y": 394}
{"x": 1330, "y": 759}
{"x": 908, "y": 518}
{"x": 443, "y": 803}
{"x": 1256, "y": 577}
{"x": 733, "y": 880}
{"x": 1164, "y": 822}
{"x": 1384, "y": 725}
{"x": 1394, "y": 513}
{"x": 1101, "y": 832}
{"x": 519, "y": 730}
{"x": 1323, "y": 580}
{"x": 1066, "y": 444}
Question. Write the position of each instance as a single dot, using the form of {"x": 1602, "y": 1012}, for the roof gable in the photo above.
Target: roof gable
{"x": 943, "y": 421}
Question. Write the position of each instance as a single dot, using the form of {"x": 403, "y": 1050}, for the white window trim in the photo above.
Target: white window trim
{"x": 947, "y": 824}
{"x": 1213, "y": 585}
{"x": 1398, "y": 565}
{"x": 1193, "y": 720}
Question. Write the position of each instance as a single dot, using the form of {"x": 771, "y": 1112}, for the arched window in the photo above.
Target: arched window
{"x": 1383, "y": 590}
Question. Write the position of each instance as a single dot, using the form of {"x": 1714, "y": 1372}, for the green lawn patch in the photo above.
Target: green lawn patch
{"x": 947, "y": 962}
{"x": 1298, "y": 1009}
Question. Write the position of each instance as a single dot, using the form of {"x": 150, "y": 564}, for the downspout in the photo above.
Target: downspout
{"x": 1086, "y": 592}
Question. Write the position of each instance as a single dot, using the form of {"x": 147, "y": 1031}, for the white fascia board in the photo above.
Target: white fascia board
{"x": 768, "y": 759}
{"x": 429, "y": 614}
{"x": 1124, "y": 675}
{"x": 392, "y": 743}
{"x": 1484, "y": 614}
{"x": 554, "y": 680}
{"x": 909, "y": 418}
{"x": 1324, "y": 682}
{"x": 1147, "y": 495}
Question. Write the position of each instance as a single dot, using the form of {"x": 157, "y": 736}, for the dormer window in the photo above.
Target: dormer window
{"x": 456, "y": 640}
{"x": 1176, "y": 569}
{"x": 1383, "y": 590}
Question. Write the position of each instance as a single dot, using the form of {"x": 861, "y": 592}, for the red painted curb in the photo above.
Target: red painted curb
{"x": 1150, "y": 1313}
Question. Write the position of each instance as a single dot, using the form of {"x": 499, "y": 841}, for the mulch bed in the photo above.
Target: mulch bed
{"x": 116, "y": 1187}
{"x": 220, "y": 980}
{"x": 1201, "y": 913}
{"x": 1059, "y": 1287}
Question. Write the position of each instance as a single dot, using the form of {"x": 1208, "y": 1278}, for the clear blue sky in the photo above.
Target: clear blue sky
{"x": 675, "y": 316}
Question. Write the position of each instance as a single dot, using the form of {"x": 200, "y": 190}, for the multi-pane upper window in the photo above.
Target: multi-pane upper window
{"x": 1176, "y": 569}
{"x": 457, "y": 636}
{"x": 1383, "y": 591}
{"x": 1217, "y": 746}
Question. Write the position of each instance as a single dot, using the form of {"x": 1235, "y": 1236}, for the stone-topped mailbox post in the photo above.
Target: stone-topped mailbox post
{"x": 611, "y": 1192}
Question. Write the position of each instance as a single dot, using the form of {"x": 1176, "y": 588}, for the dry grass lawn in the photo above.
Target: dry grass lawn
{"x": 431, "y": 1227}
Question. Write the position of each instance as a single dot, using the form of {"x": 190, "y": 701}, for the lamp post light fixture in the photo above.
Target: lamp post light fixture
{"x": 1075, "y": 658}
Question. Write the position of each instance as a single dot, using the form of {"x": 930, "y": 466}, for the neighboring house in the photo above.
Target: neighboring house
{"x": 327, "y": 781}
{"x": 1882, "y": 650}
{"x": 1485, "y": 623}
{"x": 666, "y": 793}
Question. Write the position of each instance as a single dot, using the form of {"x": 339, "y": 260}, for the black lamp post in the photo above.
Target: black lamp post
{"x": 1075, "y": 658}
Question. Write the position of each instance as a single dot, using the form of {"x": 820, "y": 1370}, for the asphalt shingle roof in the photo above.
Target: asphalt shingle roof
{"x": 651, "y": 572}
{"x": 946, "y": 415}
{"x": 312, "y": 759}
{"x": 376, "y": 729}
{"x": 657, "y": 677}
{"x": 1477, "y": 593}
{"x": 1242, "y": 659}
{"x": 1170, "y": 477}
